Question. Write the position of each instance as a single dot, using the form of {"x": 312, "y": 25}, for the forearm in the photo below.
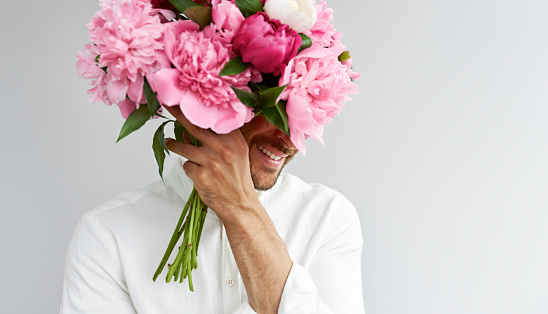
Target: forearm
{"x": 262, "y": 258}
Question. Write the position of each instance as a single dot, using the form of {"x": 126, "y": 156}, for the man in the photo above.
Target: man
{"x": 271, "y": 243}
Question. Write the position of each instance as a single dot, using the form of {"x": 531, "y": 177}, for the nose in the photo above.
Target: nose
{"x": 285, "y": 139}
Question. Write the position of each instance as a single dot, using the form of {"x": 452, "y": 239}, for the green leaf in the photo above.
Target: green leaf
{"x": 199, "y": 15}
{"x": 247, "y": 98}
{"x": 182, "y": 5}
{"x": 269, "y": 97}
{"x": 307, "y": 42}
{"x": 134, "y": 122}
{"x": 249, "y": 7}
{"x": 179, "y": 131}
{"x": 277, "y": 115}
{"x": 282, "y": 109}
{"x": 159, "y": 147}
{"x": 258, "y": 87}
{"x": 235, "y": 66}
{"x": 152, "y": 101}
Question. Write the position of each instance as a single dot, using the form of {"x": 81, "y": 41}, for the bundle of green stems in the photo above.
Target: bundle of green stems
{"x": 195, "y": 212}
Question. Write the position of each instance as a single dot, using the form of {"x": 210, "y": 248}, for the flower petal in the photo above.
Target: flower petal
{"x": 117, "y": 90}
{"x": 166, "y": 83}
{"x": 127, "y": 106}
{"x": 135, "y": 89}
{"x": 221, "y": 121}
{"x": 300, "y": 121}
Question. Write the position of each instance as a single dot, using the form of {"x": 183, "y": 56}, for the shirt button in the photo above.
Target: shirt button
{"x": 230, "y": 282}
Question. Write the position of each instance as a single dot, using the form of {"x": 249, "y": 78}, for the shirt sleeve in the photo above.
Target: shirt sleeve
{"x": 332, "y": 283}
{"x": 94, "y": 281}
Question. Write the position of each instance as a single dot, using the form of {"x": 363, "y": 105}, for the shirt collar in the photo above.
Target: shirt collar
{"x": 179, "y": 182}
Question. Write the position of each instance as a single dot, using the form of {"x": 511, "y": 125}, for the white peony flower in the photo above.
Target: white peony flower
{"x": 300, "y": 15}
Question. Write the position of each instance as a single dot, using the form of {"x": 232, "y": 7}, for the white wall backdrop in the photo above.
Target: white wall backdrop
{"x": 444, "y": 153}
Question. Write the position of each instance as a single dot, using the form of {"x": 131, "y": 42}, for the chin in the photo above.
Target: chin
{"x": 265, "y": 179}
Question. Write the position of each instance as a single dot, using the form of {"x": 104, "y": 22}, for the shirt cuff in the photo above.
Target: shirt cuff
{"x": 300, "y": 292}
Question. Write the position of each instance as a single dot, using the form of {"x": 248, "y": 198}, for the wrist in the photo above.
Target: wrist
{"x": 244, "y": 215}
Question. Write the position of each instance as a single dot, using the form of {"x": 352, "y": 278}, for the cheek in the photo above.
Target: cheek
{"x": 256, "y": 126}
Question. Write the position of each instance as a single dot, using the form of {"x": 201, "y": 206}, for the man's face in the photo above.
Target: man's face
{"x": 269, "y": 151}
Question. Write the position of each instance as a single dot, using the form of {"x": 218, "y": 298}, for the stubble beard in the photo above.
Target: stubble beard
{"x": 263, "y": 177}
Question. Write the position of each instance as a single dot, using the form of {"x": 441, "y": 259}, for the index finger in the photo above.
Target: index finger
{"x": 196, "y": 131}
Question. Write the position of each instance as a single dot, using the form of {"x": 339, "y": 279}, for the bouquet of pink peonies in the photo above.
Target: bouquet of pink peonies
{"x": 222, "y": 62}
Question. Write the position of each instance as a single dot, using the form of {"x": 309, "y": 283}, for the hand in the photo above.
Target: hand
{"x": 219, "y": 169}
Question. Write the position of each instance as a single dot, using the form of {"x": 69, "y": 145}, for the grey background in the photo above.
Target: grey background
{"x": 444, "y": 152}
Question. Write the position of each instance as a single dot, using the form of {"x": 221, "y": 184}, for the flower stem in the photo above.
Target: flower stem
{"x": 202, "y": 220}
{"x": 176, "y": 235}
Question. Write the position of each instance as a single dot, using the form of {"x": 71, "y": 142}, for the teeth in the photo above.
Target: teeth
{"x": 269, "y": 153}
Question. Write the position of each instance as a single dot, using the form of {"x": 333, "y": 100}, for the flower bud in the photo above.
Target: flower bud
{"x": 345, "y": 55}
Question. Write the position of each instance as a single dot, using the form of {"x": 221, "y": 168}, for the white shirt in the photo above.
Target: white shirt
{"x": 117, "y": 247}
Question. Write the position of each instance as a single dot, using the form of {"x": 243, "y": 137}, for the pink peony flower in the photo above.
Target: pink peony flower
{"x": 319, "y": 85}
{"x": 87, "y": 68}
{"x": 267, "y": 44}
{"x": 323, "y": 32}
{"x": 226, "y": 17}
{"x": 129, "y": 41}
{"x": 204, "y": 98}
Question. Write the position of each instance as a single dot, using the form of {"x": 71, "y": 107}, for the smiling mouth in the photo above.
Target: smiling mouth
{"x": 269, "y": 153}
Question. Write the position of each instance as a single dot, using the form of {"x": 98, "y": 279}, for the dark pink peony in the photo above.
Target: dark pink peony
{"x": 202, "y": 2}
{"x": 267, "y": 44}
{"x": 162, "y": 4}
{"x": 165, "y": 4}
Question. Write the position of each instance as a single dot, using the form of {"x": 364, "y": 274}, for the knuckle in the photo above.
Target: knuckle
{"x": 201, "y": 177}
{"x": 227, "y": 156}
{"x": 216, "y": 166}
